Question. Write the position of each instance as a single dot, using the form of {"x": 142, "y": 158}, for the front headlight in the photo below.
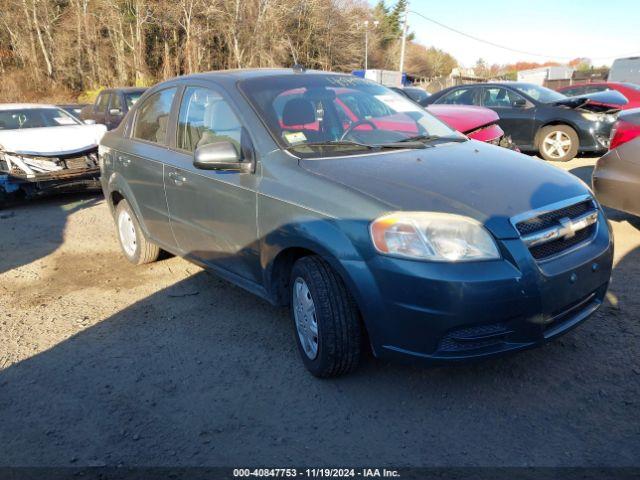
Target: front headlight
{"x": 599, "y": 117}
{"x": 439, "y": 237}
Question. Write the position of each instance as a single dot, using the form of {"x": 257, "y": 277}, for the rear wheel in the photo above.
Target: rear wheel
{"x": 136, "y": 248}
{"x": 325, "y": 319}
{"x": 558, "y": 143}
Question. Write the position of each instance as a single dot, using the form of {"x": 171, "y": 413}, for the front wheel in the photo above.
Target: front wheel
{"x": 558, "y": 143}
{"x": 325, "y": 318}
{"x": 136, "y": 248}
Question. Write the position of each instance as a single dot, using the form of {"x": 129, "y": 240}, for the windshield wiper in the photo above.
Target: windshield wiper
{"x": 349, "y": 143}
{"x": 433, "y": 138}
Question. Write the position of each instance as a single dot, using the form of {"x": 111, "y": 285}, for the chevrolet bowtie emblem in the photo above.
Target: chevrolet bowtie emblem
{"x": 566, "y": 229}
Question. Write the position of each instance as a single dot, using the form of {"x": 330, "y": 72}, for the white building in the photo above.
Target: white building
{"x": 539, "y": 75}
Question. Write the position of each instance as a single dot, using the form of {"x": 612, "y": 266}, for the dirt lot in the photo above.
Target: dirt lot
{"x": 102, "y": 363}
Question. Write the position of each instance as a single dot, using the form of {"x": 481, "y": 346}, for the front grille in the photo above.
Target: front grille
{"x": 550, "y": 249}
{"x": 553, "y": 232}
{"x": 550, "y": 219}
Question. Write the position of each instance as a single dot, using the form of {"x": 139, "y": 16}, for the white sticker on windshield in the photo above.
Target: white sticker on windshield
{"x": 397, "y": 103}
{"x": 295, "y": 137}
{"x": 65, "y": 121}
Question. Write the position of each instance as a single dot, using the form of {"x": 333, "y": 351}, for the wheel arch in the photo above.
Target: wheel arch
{"x": 118, "y": 190}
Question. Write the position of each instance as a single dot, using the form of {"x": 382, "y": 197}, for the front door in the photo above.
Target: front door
{"x": 115, "y": 112}
{"x": 213, "y": 212}
{"x": 517, "y": 115}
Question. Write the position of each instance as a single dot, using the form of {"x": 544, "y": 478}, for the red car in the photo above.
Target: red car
{"x": 630, "y": 90}
{"x": 478, "y": 123}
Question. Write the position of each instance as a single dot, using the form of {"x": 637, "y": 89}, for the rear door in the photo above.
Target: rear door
{"x": 142, "y": 164}
{"x": 213, "y": 212}
{"x": 517, "y": 114}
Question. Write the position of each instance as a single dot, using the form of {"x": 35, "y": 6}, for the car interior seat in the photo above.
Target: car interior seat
{"x": 298, "y": 115}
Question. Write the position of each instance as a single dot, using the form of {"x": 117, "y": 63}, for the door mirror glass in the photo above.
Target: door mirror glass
{"x": 221, "y": 155}
{"x": 115, "y": 112}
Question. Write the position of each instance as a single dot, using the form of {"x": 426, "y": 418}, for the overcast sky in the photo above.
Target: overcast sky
{"x": 559, "y": 30}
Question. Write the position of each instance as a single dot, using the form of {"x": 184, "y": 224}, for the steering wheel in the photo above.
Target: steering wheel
{"x": 355, "y": 125}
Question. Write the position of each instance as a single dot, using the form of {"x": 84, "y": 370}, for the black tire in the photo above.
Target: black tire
{"x": 338, "y": 320}
{"x": 145, "y": 251}
{"x": 563, "y": 130}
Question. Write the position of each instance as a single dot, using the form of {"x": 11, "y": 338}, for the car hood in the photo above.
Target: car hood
{"x": 484, "y": 182}
{"x": 50, "y": 141}
{"x": 464, "y": 118}
{"x": 598, "y": 101}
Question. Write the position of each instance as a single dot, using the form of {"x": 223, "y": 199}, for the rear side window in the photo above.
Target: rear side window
{"x": 103, "y": 101}
{"x": 152, "y": 118}
{"x": 206, "y": 117}
{"x": 462, "y": 96}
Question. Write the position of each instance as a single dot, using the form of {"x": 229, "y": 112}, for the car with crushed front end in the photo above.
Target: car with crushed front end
{"x": 418, "y": 243}
{"x": 542, "y": 120}
{"x": 44, "y": 150}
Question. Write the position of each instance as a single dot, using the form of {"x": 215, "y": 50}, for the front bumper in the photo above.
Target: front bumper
{"x": 446, "y": 312}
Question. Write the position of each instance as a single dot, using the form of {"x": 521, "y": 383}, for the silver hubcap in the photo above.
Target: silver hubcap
{"x": 304, "y": 312}
{"x": 556, "y": 144}
{"x": 127, "y": 233}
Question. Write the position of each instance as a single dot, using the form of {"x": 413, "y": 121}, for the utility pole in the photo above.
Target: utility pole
{"x": 404, "y": 38}
{"x": 366, "y": 41}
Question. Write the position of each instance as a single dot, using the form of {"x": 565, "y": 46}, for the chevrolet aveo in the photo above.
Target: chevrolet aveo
{"x": 380, "y": 228}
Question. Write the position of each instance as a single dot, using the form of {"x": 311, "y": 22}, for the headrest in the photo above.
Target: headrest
{"x": 298, "y": 111}
{"x": 221, "y": 117}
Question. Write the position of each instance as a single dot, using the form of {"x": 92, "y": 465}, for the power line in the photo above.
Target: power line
{"x": 524, "y": 52}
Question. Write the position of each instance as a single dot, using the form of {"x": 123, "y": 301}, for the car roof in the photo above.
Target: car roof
{"x": 124, "y": 89}
{"x": 24, "y": 106}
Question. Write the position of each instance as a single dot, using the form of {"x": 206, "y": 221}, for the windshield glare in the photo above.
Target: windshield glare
{"x": 35, "y": 118}
{"x": 307, "y": 113}
{"x": 542, "y": 94}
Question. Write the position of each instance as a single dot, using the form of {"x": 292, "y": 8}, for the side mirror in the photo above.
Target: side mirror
{"x": 519, "y": 103}
{"x": 115, "y": 112}
{"x": 221, "y": 155}
{"x": 89, "y": 122}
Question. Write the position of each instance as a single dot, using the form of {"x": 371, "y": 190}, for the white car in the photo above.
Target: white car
{"x": 43, "y": 149}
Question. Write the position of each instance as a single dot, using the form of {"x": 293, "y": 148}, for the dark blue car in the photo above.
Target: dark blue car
{"x": 390, "y": 231}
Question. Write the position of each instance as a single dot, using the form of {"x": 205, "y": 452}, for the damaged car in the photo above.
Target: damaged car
{"x": 541, "y": 120}
{"x": 44, "y": 149}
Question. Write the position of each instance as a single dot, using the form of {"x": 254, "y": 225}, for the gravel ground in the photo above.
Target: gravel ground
{"x": 103, "y": 363}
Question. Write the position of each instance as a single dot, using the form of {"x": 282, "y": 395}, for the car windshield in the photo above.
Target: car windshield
{"x": 16, "y": 119}
{"x": 132, "y": 98}
{"x": 542, "y": 94}
{"x": 317, "y": 115}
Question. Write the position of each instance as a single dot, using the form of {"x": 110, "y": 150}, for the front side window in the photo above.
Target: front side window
{"x": 103, "y": 101}
{"x": 116, "y": 102}
{"x": 205, "y": 118}
{"x": 318, "y": 115}
{"x": 17, "y": 119}
{"x": 496, "y": 97}
{"x": 462, "y": 96}
{"x": 152, "y": 118}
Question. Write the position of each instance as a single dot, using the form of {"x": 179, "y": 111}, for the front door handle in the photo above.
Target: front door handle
{"x": 177, "y": 178}
{"x": 124, "y": 161}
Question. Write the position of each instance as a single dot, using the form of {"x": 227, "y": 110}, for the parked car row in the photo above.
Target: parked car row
{"x": 374, "y": 219}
